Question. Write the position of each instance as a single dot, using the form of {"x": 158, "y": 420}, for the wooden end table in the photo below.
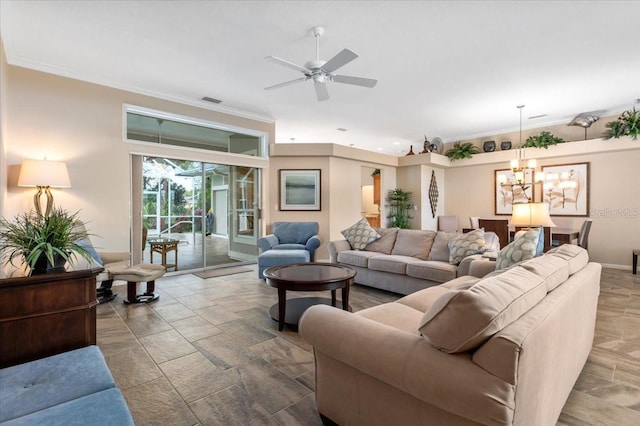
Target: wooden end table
{"x": 164, "y": 246}
{"x": 306, "y": 277}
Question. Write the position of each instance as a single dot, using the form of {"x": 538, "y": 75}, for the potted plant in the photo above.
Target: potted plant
{"x": 44, "y": 243}
{"x": 543, "y": 140}
{"x": 400, "y": 203}
{"x": 461, "y": 150}
{"x": 628, "y": 124}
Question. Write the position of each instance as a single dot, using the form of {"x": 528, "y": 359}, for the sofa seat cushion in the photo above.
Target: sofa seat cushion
{"x": 390, "y": 263}
{"x": 423, "y": 299}
{"x": 432, "y": 270}
{"x": 396, "y": 315}
{"x": 413, "y": 243}
{"x": 461, "y": 320}
{"x": 43, "y": 383}
{"x": 385, "y": 243}
{"x": 356, "y": 257}
{"x": 107, "y": 407}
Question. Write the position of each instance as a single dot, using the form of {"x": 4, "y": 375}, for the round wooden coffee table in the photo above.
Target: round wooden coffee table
{"x": 306, "y": 277}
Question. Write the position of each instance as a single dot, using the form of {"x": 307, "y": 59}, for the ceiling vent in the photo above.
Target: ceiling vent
{"x": 212, "y": 100}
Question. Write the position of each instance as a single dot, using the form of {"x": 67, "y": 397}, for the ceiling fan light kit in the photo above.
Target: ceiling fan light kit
{"x": 321, "y": 72}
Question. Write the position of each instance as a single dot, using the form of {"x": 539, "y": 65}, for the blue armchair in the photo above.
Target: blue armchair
{"x": 292, "y": 236}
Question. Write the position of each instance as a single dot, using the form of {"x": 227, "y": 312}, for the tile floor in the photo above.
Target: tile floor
{"x": 207, "y": 353}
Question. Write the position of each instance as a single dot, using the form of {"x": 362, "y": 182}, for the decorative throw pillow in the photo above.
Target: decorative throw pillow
{"x": 522, "y": 248}
{"x": 540, "y": 247}
{"x": 467, "y": 244}
{"x": 360, "y": 234}
{"x": 440, "y": 246}
{"x": 414, "y": 243}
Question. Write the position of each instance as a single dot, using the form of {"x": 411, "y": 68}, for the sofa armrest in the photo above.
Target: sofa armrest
{"x": 336, "y": 247}
{"x": 312, "y": 244}
{"x": 267, "y": 242}
{"x": 407, "y": 362}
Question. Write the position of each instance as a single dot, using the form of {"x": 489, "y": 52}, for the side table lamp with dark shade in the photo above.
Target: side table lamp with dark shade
{"x": 532, "y": 215}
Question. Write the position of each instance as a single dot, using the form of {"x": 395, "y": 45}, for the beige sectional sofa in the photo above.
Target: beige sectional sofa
{"x": 502, "y": 350}
{"x": 405, "y": 260}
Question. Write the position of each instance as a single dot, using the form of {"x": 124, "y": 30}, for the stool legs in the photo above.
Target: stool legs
{"x": 635, "y": 263}
{"x": 148, "y": 296}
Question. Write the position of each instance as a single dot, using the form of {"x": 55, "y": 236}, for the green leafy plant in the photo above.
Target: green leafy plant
{"x": 400, "y": 202}
{"x": 375, "y": 172}
{"x": 543, "y": 140}
{"x": 43, "y": 242}
{"x": 628, "y": 124}
{"x": 461, "y": 150}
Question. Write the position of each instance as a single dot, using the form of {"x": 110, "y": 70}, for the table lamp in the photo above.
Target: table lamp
{"x": 44, "y": 174}
{"x": 533, "y": 215}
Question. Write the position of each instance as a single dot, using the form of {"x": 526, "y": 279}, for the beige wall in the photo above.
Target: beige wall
{"x": 82, "y": 124}
{"x": 614, "y": 202}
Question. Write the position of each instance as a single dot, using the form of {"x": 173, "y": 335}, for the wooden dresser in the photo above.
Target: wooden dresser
{"x": 43, "y": 315}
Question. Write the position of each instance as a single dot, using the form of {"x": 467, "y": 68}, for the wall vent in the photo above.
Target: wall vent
{"x": 213, "y": 100}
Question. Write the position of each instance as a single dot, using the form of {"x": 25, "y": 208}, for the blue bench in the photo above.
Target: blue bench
{"x": 71, "y": 388}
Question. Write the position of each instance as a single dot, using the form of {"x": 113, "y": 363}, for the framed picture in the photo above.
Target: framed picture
{"x": 508, "y": 192}
{"x": 566, "y": 189}
{"x": 300, "y": 190}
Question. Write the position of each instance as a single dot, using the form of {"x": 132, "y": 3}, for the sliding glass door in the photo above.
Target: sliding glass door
{"x": 211, "y": 210}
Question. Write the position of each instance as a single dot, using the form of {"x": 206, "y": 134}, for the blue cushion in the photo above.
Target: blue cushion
{"x": 86, "y": 244}
{"x": 289, "y": 247}
{"x": 294, "y": 232}
{"x": 105, "y": 408}
{"x": 280, "y": 257}
{"x": 40, "y": 384}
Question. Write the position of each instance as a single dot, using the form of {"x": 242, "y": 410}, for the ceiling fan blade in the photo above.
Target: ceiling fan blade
{"x": 287, "y": 83}
{"x": 321, "y": 91}
{"x": 358, "y": 81}
{"x": 287, "y": 64}
{"x": 339, "y": 60}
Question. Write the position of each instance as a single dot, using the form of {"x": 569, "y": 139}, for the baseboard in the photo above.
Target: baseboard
{"x": 615, "y": 266}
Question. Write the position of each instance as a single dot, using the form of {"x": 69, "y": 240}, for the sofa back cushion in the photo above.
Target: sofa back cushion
{"x": 576, "y": 256}
{"x": 385, "y": 243}
{"x": 413, "y": 243}
{"x": 465, "y": 245}
{"x": 294, "y": 232}
{"x": 440, "y": 246}
{"x": 461, "y": 320}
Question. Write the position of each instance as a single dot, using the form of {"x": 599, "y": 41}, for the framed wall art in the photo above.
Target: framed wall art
{"x": 507, "y": 192}
{"x": 566, "y": 189}
{"x": 300, "y": 190}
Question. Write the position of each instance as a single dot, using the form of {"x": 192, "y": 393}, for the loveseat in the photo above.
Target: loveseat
{"x": 407, "y": 260}
{"x": 70, "y": 388}
{"x": 505, "y": 349}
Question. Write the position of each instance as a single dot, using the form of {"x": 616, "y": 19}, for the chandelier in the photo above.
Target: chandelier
{"x": 523, "y": 170}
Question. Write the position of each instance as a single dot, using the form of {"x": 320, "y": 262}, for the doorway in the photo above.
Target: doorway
{"x": 208, "y": 209}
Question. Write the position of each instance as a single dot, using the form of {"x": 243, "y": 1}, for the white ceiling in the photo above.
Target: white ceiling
{"x": 453, "y": 69}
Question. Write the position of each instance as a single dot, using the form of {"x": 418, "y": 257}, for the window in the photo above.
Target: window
{"x": 164, "y": 129}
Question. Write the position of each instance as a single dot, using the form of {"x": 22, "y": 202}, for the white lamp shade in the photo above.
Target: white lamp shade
{"x": 531, "y": 215}
{"x": 44, "y": 173}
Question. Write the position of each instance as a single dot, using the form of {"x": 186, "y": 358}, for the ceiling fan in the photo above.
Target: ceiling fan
{"x": 322, "y": 71}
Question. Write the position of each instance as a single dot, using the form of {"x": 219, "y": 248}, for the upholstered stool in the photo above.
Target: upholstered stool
{"x": 275, "y": 257}
{"x": 139, "y": 273}
{"x": 634, "y": 265}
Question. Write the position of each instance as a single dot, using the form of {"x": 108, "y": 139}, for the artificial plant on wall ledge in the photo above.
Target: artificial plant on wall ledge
{"x": 543, "y": 140}
{"x": 628, "y": 124}
{"x": 400, "y": 202}
{"x": 461, "y": 150}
